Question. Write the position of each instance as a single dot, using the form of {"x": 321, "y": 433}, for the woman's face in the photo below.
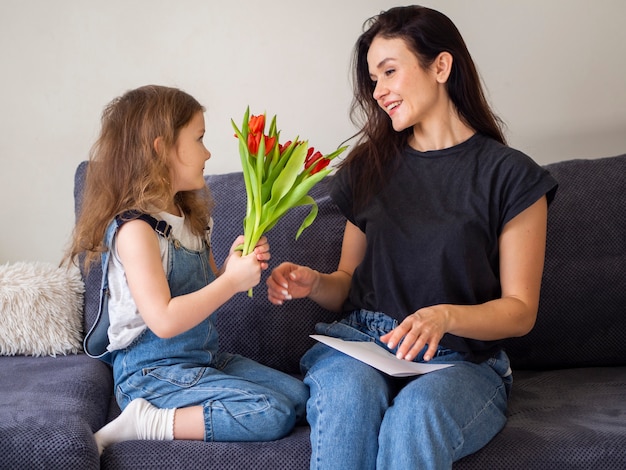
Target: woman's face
{"x": 410, "y": 95}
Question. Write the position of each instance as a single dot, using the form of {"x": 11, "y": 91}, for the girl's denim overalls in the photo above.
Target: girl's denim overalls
{"x": 241, "y": 399}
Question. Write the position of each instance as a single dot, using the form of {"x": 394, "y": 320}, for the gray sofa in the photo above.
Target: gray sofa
{"x": 567, "y": 408}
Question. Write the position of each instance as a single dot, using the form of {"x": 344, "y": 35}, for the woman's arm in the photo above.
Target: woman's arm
{"x": 290, "y": 281}
{"x": 522, "y": 250}
{"x": 167, "y": 316}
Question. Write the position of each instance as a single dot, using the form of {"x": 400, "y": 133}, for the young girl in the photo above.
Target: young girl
{"x": 147, "y": 210}
{"x": 442, "y": 257}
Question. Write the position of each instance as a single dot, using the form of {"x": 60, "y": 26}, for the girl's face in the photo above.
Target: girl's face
{"x": 410, "y": 95}
{"x": 188, "y": 156}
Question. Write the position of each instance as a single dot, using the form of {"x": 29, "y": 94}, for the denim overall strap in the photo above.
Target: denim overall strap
{"x": 97, "y": 340}
{"x": 187, "y": 271}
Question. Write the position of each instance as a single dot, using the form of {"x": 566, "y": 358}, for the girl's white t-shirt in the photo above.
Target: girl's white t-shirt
{"x": 126, "y": 323}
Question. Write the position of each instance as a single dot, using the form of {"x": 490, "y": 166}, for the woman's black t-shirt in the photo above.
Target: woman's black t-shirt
{"x": 432, "y": 231}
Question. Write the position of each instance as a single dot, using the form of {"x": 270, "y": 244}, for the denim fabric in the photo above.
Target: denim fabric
{"x": 362, "y": 418}
{"x": 242, "y": 399}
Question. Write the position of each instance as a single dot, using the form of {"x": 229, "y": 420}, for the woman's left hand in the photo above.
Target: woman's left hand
{"x": 424, "y": 327}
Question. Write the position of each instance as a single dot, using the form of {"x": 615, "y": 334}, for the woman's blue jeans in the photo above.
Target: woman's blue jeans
{"x": 364, "y": 419}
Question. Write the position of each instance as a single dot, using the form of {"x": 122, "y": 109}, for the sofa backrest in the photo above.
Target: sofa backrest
{"x": 93, "y": 277}
{"x": 582, "y": 313}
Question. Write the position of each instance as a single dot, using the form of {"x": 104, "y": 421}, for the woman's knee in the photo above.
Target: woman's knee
{"x": 343, "y": 381}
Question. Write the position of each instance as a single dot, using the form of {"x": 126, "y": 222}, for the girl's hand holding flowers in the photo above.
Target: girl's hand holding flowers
{"x": 244, "y": 271}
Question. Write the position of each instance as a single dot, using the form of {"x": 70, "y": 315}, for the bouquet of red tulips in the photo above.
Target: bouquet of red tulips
{"x": 277, "y": 176}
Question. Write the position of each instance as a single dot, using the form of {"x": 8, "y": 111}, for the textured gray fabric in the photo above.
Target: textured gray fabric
{"x": 582, "y": 312}
{"x": 560, "y": 419}
{"x": 290, "y": 453}
{"x": 49, "y": 408}
{"x": 94, "y": 276}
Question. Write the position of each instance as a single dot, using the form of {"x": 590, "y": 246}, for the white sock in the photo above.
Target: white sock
{"x": 139, "y": 420}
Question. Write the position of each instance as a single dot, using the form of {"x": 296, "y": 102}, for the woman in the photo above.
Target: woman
{"x": 442, "y": 256}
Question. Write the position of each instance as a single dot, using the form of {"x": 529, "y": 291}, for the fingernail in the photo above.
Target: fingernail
{"x": 390, "y": 345}
{"x": 399, "y": 355}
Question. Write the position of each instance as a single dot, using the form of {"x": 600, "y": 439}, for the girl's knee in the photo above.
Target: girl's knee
{"x": 281, "y": 420}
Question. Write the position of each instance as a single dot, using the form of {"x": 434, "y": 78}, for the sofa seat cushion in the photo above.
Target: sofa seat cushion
{"x": 569, "y": 418}
{"x": 289, "y": 453}
{"x": 556, "y": 420}
{"x": 49, "y": 409}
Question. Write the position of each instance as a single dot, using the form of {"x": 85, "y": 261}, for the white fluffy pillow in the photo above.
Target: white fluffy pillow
{"x": 41, "y": 309}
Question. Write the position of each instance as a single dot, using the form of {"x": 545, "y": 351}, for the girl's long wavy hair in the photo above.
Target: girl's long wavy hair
{"x": 127, "y": 173}
{"x": 427, "y": 33}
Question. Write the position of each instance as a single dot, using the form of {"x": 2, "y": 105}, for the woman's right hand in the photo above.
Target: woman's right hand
{"x": 290, "y": 281}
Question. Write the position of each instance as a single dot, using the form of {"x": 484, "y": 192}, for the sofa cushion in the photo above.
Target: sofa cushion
{"x": 582, "y": 312}
{"x": 290, "y": 453}
{"x": 49, "y": 408}
{"x": 560, "y": 419}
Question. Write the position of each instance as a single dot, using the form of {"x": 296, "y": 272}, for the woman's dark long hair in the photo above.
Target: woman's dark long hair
{"x": 427, "y": 33}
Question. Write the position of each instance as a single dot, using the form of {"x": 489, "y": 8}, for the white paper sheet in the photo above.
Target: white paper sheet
{"x": 372, "y": 354}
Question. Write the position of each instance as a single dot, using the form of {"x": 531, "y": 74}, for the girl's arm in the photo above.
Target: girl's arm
{"x": 522, "y": 250}
{"x": 167, "y": 316}
{"x": 290, "y": 281}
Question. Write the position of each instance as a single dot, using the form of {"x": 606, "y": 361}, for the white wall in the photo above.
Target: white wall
{"x": 554, "y": 71}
